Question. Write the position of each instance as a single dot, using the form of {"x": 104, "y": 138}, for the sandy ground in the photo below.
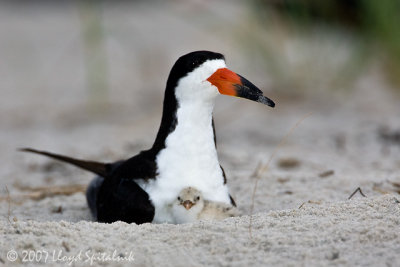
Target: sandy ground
{"x": 361, "y": 232}
{"x": 301, "y": 216}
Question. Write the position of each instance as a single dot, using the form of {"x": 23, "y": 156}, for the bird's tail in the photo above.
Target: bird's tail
{"x": 102, "y": 169}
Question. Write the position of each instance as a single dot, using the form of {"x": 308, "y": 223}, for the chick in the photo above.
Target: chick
{"x": 190, "y": 206}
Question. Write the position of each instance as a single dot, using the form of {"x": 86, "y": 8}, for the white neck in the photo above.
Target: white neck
{"x": 193, "y": 134}
{"x": 190, "y": 148}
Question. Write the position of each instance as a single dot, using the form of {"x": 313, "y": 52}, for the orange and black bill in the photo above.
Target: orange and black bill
{"x": 231, "y": 83}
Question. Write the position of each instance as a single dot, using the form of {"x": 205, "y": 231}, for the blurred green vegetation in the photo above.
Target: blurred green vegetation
{"x": 382, "y": 25}
{"x": 369, "y": 29}
{"x": 96, "y": 64}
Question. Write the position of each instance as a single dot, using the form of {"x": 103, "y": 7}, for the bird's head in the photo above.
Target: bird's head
{"x": 189, "y": 197}
{"x": 204, "y": 75}
{"x": 187, "y": 205}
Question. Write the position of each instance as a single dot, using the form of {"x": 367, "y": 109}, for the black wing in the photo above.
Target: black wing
{"x": 120, "y": 198}
{"x": 117, "y": 197}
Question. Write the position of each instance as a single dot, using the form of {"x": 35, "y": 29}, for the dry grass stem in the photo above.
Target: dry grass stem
{"x": 355, "y": 191}
{"x": 39, "y": 193}
{"x": 263, "y": 168}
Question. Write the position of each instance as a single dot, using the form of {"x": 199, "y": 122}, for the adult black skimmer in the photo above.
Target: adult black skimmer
{"x": 184, "y": 153}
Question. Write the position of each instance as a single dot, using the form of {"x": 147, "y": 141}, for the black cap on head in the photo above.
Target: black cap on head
{"x": 187, "y": 63}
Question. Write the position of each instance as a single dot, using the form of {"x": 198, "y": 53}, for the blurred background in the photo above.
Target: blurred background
{"x": 96, "y": 54}
{"x": 86, "y": 78}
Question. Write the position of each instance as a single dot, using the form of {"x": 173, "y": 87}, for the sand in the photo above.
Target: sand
{"x": 361, "y": 232}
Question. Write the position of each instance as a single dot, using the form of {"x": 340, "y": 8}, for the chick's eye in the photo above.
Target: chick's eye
{"x": 198, "y": 198}
{"x": 179, "y": 198}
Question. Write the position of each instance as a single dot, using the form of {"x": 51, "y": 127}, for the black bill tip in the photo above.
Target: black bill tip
{"x": 248, "y": 90}
{"x": 266, "y": 101}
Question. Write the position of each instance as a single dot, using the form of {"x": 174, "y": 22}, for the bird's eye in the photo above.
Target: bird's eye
{"x": 179, "y": 198}
{"x": 197, "y": 198}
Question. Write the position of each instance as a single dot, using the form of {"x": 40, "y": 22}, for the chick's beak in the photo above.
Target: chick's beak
{"x": 231, "y": 83}
{"x": 187, "y": 204}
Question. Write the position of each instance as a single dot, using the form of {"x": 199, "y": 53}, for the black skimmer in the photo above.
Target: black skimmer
{"x": 190, "y": 206}
{"x": 184, "y": 153}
